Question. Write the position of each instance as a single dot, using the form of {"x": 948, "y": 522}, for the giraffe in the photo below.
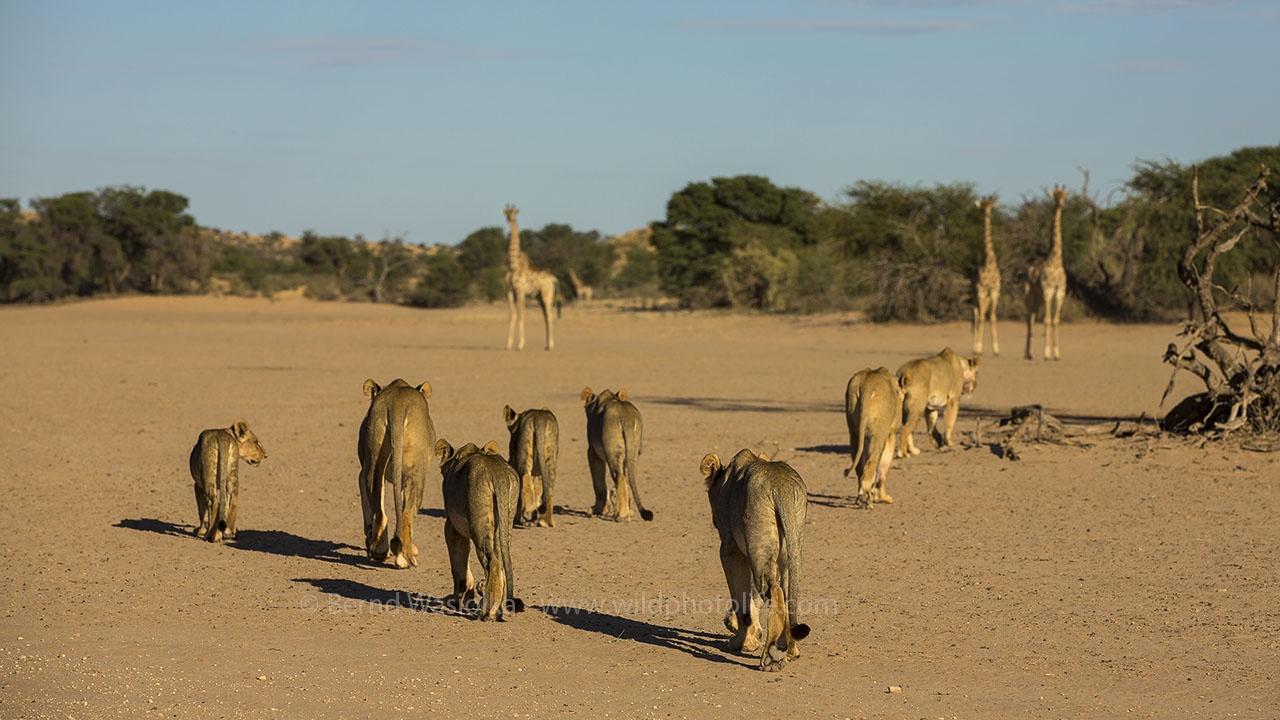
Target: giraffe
{"x": 987, "y": 286}
{"x": 581, "y": 291}
{"x": 523, "y": 280}
{"x": 1046, "y": 286}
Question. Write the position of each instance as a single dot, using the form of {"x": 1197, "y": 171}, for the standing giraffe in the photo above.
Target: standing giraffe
{"x": 523, "y": 280}
{"x": 581, "y": 291}
{"x": 1046, "y": 286}
{"x": 987, "y": 287}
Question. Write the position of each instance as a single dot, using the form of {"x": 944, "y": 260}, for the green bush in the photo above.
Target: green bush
{"x": 443, "y": 284}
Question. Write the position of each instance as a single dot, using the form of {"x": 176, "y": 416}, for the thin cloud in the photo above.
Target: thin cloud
{"x": 936, "y": 3}
{"x": 888, "y": 27}
{"x": 341, "y": 51}
{"x": 1143, "y": 66}
{"x": 1140, "y": 7}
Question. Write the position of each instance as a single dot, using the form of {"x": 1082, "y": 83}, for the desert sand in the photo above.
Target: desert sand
{"x": 1134, "y": 578}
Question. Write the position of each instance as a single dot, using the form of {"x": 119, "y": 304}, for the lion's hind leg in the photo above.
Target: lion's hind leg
{"x": 739, "y": 620}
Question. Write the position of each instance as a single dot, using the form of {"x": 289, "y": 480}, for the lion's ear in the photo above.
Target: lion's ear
{"x": 371, "y": 388}
{"x": 622, "y": 394}
{"x": 490, "y": 447}
{"x": 975, "y": 361}
{"x": 710, "y": 464}
{"x": 240, "y": 428}
{"x": 425, "y": 389}
{"x": 444, "y": 450}
{"x": 586, "y": 394}
{"x": 508, "y": 415}
{"x": 763, "y": 456}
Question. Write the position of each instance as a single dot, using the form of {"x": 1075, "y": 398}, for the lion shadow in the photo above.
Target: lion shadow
{"x": 835, "y": 501}
{"x": 272, "y": 542}
{"x": 750, "y": 405}
{"x": 386, "y": 599}
{"x": 702, "y": 645}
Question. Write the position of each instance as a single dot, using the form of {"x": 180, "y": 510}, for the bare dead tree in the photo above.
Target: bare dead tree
{"x": 391, "y": 258}
{"x": 1241, "y": 373}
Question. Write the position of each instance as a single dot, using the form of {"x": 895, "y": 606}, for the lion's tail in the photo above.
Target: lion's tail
{"x": 225, "y": 458}
{"x": 857, "y": 425}
{"x": 789, "y": 509}
{"x": 395, "y": 435}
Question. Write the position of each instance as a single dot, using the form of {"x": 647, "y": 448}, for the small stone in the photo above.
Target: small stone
{"x": 262, "y": 677}
{"x": 894, "y": 689}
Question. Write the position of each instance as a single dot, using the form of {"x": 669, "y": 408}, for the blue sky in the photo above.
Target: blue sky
{"x": 425, "y": 118}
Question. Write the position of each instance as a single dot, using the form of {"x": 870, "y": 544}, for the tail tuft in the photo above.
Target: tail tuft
{"x": 646, "y": 515}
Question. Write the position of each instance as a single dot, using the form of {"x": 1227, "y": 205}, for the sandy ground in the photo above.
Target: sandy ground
{"x": 1130, "y": 579}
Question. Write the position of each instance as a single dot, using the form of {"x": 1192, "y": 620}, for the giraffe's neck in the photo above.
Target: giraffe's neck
{"x": 987, "y": 244}
{"x": 513, "y": 249}
{"x": 1055, "y": 253}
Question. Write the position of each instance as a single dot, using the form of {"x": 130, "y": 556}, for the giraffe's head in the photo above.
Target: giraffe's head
{"x": 1059, "y": 194}
{"x": 986, "y": 202}
{"x": 510, "y": 211}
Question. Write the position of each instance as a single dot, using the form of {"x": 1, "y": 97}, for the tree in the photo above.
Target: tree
{"x": 444, "y": 283}
{"x": 705, "y": 222}
{"x": 162, "y": 252}
{"x": 394, "y": 266}
{"x": 1241, "y": 372}
{"x": 924, "y": 243}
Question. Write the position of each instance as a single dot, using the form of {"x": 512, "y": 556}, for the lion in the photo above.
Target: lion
{"x": 758, "y": 507}
{"x": 215, "y": 464}
{"x": 480, "y": 491}
{"x": 932, "y": 384}
{"x": 396, "y": 445}
{"x": 614, "y": 431}
{"x": 534, "y": 449}
{"x": 873, "y": 408}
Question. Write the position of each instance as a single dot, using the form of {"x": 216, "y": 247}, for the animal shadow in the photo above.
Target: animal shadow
{"x": 278, "y": 542}
{"x": 352, "y": 590}
{"x": 744, "y": 405}
{"x": 698, "y": 644}
{"x": 273, "y": 542}
{"x": 826, "y": 449}
{"x": 159, "y": 527}
{"x": 572, "y": 512}
{"x": 433, "y": 512}
{"x": 834, "y": 501}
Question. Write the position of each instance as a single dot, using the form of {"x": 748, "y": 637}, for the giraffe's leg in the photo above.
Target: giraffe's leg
{"x": 1060, "y": 298}
{"x": 979, "y": 311}
{"x": 1047, "y": 307}
{"x": 520, "y": 318}
{"x": 995, "y": 336}
{"x": 548, "y": 299}
{"x": 1031, "y": 320}
{"x": 511, "y": 316}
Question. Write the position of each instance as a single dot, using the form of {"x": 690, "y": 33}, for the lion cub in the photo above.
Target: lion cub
{"x": 932, "y": 384}
{"x": 535, "y": 446}
{"x": 480, "y": 491}
{"x": 873, "y": 408}
{"x": 215, "y": 462}
{"x": 758, "y": 508}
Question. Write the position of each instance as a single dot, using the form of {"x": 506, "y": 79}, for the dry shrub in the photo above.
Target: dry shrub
{"x": 757, "y": 278}
{"x": 920, "y": 293}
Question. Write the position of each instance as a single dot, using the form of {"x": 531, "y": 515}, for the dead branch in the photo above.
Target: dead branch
{"x": 1241, "y": 374}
